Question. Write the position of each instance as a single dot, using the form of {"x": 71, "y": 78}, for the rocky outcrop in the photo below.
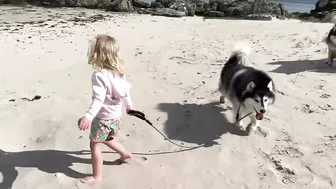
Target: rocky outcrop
{"x": 111, "y": 5}
{"x": 179, "y": 5}
{"x": 140, "y": 4}
{"x": 241, "y": 8}
{"x": 224, "y": 8}
{"x": 121, "y": 6}
{"x": 167, "y": 12}
{"x": 71, "y": 3}
{"x": 258, "y": 17}
{"x": 248, "y": 9}
{"x": 325, "y": 6}
{"x": 323, "y": 12}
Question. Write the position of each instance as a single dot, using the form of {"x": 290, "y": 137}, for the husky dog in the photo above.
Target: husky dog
{"x": 330, "y": 40}
{"x": 249, "y": 90}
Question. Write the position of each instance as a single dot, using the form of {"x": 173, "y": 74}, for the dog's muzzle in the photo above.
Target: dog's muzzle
{"x": 260, "y": 115}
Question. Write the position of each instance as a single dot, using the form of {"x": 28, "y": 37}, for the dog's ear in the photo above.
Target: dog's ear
{"x": 270, "y": 86}
{"x": 250, "y": 86}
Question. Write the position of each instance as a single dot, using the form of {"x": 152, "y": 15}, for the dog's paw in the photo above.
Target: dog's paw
{"x": 222, "y": 100}
{"x": 239, "y": 125}
{"x": 250, "y": 129}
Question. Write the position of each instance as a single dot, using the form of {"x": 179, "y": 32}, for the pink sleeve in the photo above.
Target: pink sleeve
{"x": 98, "y": 95}
{"x": 128, "y": 100}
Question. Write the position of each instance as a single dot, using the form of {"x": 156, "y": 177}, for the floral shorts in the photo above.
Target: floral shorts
{"x": 103, "y": 130}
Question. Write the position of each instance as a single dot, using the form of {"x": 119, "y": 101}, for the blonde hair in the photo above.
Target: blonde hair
{"x": 103, "y": 53}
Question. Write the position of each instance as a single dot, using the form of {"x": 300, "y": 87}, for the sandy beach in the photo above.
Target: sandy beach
{"x": 173, "y": 65}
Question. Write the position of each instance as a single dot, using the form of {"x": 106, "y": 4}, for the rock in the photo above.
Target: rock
{"x": 66, "y": 3}
{"x": 156, "y": 5}
{"x": 242, "y": 8}
{"x": 121, "y": 6}
{"x": 140, "y": 4}
{"x": 168, "y": 12}
{"x": 238, "y": 9}
{"x": 308, "y": 17}
{"x": 179, "y": 5}
{"x": 175, "y": 8}
{"x": 191, "y": 8}
{"x": 201, "y": 8}
{"x": 273, "y": 8}
{"x": 324, "y": 5}
{"x": 214, "y": 14}
{"x": 166, "y": 3}
{"x": 258, "y": 17}
{"x": 13, "y": 2}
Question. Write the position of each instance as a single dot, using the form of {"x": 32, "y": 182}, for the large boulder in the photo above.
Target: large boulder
{"x": 180, "y": 5}
{"x": 140, "y": 4}
{"x": 242, "y": 8}
{"x": 62, "y": 3}
{"x": 72, "y": 3}
{"x": 168, "y": 12}
{"x": 325, "y": 5}
{"x": 214, "y": 14}
{"x": 121, "y": 6}
{"x": 238, "y": 9}
{"x": 13, "y": 2}
{"x": 268, "y": 7}
{"x": 258, "y": 17}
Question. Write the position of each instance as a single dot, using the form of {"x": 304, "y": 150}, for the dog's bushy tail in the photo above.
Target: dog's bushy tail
{"x": 333, "y": 19}
{"x": 240, "y": 54}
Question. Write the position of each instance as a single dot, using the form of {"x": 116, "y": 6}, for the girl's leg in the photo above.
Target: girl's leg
{"x": 97, "y": 164}
{"x": 116, "y": 146}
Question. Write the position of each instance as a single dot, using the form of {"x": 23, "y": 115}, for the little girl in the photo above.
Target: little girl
{"x": 109, "y": 88}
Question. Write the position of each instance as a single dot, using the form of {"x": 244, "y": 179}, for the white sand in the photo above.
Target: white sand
{"x": 174, "y": 66}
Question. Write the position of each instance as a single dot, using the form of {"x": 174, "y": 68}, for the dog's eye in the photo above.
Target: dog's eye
{"x": 265, "y": 100}
{"x": 256, "y": 100}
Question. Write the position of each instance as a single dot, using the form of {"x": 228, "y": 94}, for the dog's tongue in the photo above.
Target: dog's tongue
{"x": 260, "y": 116}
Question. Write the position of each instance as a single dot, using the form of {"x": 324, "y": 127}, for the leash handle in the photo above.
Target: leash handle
{"x": 139, "y": 115}
{"x": 133, "y": 112}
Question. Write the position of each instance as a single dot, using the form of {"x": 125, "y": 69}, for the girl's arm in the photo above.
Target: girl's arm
{"x": 128, "y": 100}
{"x": 98, "y": 95}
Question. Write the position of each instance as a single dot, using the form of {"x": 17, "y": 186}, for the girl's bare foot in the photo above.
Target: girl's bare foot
{"x": 124, "y": 158}
{"x": 90, "y": 180}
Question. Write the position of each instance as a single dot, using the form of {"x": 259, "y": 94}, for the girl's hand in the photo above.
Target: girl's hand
{"x": 128, "y": 110}
{"x": 84, "y": 123}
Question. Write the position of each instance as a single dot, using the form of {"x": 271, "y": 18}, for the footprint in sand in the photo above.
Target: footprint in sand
{"x": 285, "y": 174}
{"x": 262, "y": 132}
{"x": 135, "y": 160}
{"x": 318, "y": 177}
{"x": 291, "y": 152}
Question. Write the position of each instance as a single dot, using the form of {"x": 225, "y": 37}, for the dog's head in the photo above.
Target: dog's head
{"x": 258, "y": 98}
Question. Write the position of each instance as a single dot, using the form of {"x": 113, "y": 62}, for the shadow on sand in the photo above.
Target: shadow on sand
{"x": 199, "y": 124}
{"x": 49, "y": 161}
{"x": 293, "y": 67}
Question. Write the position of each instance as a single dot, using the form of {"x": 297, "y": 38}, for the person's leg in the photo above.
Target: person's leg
{"x": 97, "y": 164}
{"x": 120, "y": 149}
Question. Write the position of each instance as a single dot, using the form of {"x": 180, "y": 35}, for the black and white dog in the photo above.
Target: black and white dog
{"x": 248, "y": 89}
{"x": 330, "y": 40}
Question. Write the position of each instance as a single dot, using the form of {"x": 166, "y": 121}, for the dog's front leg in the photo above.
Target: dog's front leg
{"x": 254, "y": 124}
{"x": 222, "y": 99}
{"x": 240, "y": 123}
{"x": 330, "y": 57}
